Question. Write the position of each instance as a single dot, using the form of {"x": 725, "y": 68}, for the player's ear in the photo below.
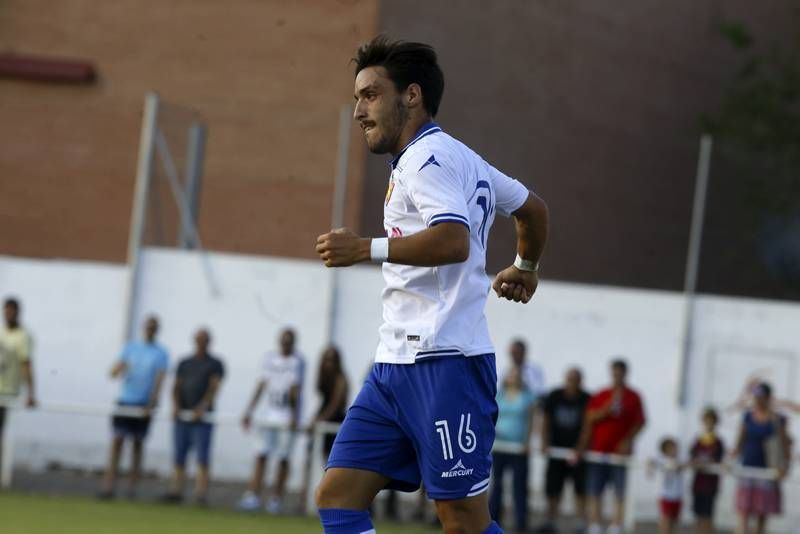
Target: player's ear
{"x": 413, "y": 96}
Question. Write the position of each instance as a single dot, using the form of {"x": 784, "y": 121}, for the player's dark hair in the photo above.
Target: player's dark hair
{"x": 711, "y": 413}
{"x": 620, "y": 364}
{"x": 406, "y": 63}
{"x": 666, "y": 442}
{"x": 519, "y": 343}
{"x": 11, "y": 302}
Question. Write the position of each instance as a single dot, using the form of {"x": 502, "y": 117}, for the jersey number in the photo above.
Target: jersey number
{"x": 485, "y": 203}
{"x": 466, "y": 437}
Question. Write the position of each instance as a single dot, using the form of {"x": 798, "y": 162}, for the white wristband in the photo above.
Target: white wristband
{"x": 379, "y": 249}
{"x": 526, "y": 265}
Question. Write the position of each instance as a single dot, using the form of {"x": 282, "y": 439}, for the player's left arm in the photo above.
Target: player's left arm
{"x": 518, "y": 282}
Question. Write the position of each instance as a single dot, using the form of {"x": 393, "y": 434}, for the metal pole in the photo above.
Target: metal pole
{"x": 693, "y": 265}
{"x": 144, "y": 170}
{"x": 337, "y": 212}
{"x": 195, "y": 154}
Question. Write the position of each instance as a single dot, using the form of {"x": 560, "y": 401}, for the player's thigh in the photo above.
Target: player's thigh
{"x": 349, "y": 489}
{"x": 448, "y": 408}
{"x": 465, "y": 516}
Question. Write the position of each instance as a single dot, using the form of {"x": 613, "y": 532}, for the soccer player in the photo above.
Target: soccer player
{"x": 427, "y": 410}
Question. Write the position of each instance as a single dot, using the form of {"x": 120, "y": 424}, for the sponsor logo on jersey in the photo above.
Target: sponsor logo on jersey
{"x": 457, "y": 470}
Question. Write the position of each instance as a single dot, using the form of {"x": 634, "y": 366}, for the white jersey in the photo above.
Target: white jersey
{"x": 439, "y": 311}
{"x": 281, "y": 373}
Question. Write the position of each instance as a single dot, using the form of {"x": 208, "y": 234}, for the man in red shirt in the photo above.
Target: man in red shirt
{"x": 614, "y": 417}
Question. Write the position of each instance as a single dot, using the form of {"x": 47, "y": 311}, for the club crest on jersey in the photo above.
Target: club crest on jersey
{"x": 389, "y": 191}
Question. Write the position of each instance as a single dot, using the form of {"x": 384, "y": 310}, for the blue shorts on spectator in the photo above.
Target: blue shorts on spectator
{"x": 598, "y": 476}
{"x": 192, "y": 435}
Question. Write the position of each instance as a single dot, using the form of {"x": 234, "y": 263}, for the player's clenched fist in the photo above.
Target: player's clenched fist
{"x": 342, "y": 247}
{"x": 514, "y": 284}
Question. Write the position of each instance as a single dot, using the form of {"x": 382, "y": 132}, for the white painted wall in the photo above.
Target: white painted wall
{"x": 75, "y": 312}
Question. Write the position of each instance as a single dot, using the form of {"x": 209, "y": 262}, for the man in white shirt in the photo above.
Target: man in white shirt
{"x": 427, "y": 410}
{"x": 16, "y": 346}
{"x": 282, "y": 382}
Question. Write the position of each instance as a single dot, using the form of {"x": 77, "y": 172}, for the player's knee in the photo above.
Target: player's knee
{"x": 461, "y": 516}
{"x": 325, "y": 496}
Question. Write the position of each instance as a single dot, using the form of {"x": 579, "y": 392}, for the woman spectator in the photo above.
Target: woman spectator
{"x": 763, "y": 442}
{"x": 514, "y": 427}
{"x": 332, "y": 386}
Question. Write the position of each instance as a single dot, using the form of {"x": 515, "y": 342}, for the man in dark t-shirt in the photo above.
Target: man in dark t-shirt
{"x": 197, "y": 381}
{"x": 563, "y": 411}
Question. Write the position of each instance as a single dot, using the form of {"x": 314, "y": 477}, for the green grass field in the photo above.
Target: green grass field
{"x": 34, "y": 514}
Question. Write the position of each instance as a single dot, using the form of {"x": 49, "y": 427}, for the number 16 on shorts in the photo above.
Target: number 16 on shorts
{"x": 466, "y": 437}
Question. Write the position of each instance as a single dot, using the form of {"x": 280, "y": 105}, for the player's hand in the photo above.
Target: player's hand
{"x": 516, "y": 285}
{"x": 197, "y": 414}
{"x": 31, "y": 402}
{"x": 342, "y": 247}
{"x": 246, "y": 422}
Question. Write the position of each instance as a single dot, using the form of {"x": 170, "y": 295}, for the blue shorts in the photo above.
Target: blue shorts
{"x": 192, "y": 435}
{"x": 598, "y": 476}
{"x": 432, "y": 422}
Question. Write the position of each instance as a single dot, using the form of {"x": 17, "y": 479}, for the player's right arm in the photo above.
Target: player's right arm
{"x": 532, "y": 220}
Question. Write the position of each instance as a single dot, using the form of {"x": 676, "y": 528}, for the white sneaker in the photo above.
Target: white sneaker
{"x": 614, "y": 529}
{"x": 249, "y": 502}
{"x": 274, "y": 505}
{"x": 594, "y": 528}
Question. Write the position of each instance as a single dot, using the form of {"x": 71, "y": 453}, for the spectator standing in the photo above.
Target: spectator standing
{"x": 197, "y": 382}
{"x": 563, "y": 410}
{"x": 532, "y": 373}
{"x": 516, "y": 408}
{"x": 16, "y": 348}
{"x": 141, "y": 367}
{"x": 762, "y": 442}
{"x": 614, "y": 417}
{"x": 282, "y": 382}
{"x": 333, "y": 388}
{"x": 707, "y": 449}
{"x": 670, "y": 499}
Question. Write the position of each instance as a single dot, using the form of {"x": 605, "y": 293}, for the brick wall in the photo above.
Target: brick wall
{"x": 269, "y": 77}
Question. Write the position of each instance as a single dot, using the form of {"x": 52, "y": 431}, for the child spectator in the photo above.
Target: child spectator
{"x": 707, "y": 449}
{"x": 671, "y": 495}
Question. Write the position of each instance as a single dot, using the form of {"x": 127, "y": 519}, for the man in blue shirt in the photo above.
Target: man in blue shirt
{"x": 141, "y": 367}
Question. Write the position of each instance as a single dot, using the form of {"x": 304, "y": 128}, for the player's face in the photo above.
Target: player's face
{"x": 379, "y": 110}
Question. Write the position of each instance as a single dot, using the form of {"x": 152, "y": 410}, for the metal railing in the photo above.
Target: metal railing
{"x": 320, "y": 430}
